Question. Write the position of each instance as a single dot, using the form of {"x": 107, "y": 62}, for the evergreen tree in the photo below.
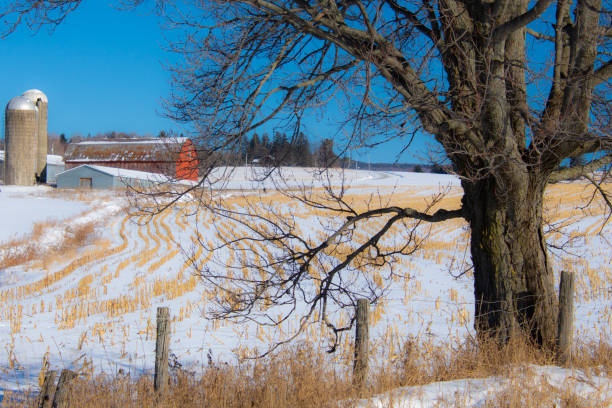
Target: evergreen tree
{"x": 244, "y": 151}
{"x": 303, "y": 154}
{"x": 437, "y": 169}
{"x": 276, "y": 148}
{"x": 254, "y": 147}
{"x": 326, "y": 156}
{"x": 264, "y": 149}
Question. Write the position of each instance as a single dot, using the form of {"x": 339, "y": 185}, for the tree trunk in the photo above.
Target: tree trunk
{"x": 513, "y": 280}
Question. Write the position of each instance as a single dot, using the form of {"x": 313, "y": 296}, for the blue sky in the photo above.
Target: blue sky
{"x": 103, "y": 70}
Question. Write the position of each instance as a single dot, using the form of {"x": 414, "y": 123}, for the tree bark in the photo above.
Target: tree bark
{"x": 513, "y": 280}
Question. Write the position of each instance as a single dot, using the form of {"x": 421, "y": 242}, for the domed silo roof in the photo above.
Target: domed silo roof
{"x": 35, "y": 94}
{"x": 20, "y": 103}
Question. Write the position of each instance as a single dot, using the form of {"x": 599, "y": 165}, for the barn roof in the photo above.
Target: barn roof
{"x": 121, "y": 150}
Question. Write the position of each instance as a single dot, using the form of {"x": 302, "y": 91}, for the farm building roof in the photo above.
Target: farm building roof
{"x": 120, "y": 150}
{"x": 131, "y": 174}
{"x": 55, "y": 159}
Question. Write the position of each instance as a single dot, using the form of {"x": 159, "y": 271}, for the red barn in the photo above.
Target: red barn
{"x": 175, "y": 157}
{"x": 185, "y": 169}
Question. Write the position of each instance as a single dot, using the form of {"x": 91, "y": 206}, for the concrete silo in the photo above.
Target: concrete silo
{"x": 20, "y": 137}
{"x": 40, "y": 100}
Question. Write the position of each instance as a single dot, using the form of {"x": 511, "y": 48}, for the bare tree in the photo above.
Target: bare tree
{"x": 468, "y": 72}
{"x": 34, "y": 13}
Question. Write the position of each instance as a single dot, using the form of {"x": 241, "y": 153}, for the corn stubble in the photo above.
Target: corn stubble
{"x": 298, "y": 376}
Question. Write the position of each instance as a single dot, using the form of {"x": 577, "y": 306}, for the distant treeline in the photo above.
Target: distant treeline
{"x": 282, "y": 150}
{"x": 278, "y": 150}
{"x": 417, "y": 168}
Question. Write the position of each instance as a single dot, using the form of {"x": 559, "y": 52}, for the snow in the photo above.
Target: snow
{"x": 476, "y": 393}
{"x": 55, "y": 159}
{"x": 54, "y": 235}
{"x": 136, "y": 141}
{"x": 22, "y": 207}
{"x": 30, "y": 203}
{"x": 134, "y": 174}
{"x": 145, "y": 271}
{"x": 253, "y": 177}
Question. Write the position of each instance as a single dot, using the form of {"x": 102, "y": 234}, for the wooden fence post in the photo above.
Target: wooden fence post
{"x": 362, "y": 353}
{"x": 60, "y": 400}
{"x": 44, "y": 398}
{"x": 161, "y": 349}
{"x": 566, "y": 317}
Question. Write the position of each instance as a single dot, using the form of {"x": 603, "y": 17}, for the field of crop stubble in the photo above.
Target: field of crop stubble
{"x": 90, "y": 305}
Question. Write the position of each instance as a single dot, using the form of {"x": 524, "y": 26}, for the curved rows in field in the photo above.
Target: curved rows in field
{"x": 96, "y": 308}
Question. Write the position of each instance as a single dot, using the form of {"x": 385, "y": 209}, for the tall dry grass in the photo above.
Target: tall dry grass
{"x": 24, "y": 250}
{"x": 525, "y": 392}
{"x": 302, "y": 377}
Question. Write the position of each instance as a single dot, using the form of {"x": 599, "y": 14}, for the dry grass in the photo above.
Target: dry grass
{"x": 523, "y": 392}
{"x": 304, "y": 378}
{"x": 26, "y": 250}
{"x": 467, "y": 360}
{"x": 593, "y": 355}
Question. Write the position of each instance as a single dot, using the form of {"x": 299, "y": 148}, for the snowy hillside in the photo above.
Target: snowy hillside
{"x": 93, "y": 308}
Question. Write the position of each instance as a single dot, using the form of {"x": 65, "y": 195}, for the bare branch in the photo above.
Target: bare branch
{"x": 605, "y": 196}
{"x": 570, "y": 173}
{"x": 602, "y": 74}
{"x": 35, "y": 14}
{"x": 521, "y": 21}
{"x": 538, "y": 35}
{"x": 438, "y": 216}
{"x": 412, "y": 17}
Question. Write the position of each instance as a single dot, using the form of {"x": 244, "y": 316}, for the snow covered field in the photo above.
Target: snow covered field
{"x": 94, "y": 310}
{"x": 21, "y": 207}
